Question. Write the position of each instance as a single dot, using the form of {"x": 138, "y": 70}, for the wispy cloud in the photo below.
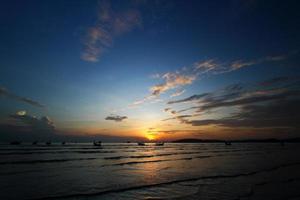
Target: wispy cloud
{"x": 173, "y": 131}
{"x": 279, "y": 80}
{"x": 271, "y": 103}
{"x": 178, "y": 93}
{"x": 171, "y": 81}
{"x": 244, "y": 63}
{"x": 181, "y": 118}
{"x": 206, "y": 66}
{"x": 187, "y": 75}
{"x": 5, "y": 93}
{"x": 240, "y": 63}
{"x": 283, "y": 113}
{"x": 276, "y": 58}
{"x": 116, "y": 118}
{"x": 109, "y": 25}
{"x": 191, "y": 98}
{"x": 167, "y": 109}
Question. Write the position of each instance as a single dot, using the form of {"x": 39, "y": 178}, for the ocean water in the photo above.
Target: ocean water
{"x": 173, "y": 171}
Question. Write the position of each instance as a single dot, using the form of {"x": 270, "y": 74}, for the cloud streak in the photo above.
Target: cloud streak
{"x": 5, "y": 93}
{"x": 283, "y": 113}
{"x": 271, "y": 103}
{"x": 116, "y": 118}
{"x": 178, "y": 93}
{"x": 171, "y": 81}
{"x": 187, "y": 75}
{"x": 175, "y": 131}
{"x": 110, "y": 24}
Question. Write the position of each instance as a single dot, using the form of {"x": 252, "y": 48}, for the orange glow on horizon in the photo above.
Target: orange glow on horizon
{"x": 150, "y": 137}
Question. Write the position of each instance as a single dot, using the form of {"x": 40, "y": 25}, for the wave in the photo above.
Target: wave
{"x": 150, "y": 156}
{"x": 130, "y": 188}
{"x": 121, "y": 157}
{"x": 45, "y": 161}
{"x": 151, "y": 161}
{"x": 54, "y": 152}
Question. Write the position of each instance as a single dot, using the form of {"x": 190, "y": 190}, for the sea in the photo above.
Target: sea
{"x": 129, "y": 171}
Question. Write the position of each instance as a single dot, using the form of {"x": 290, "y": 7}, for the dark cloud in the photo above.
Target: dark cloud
{"x": 5, "y": 93}
{"x": 167, "y": 109}
{"x": 230, "y": 91}
{"x": 25, "y": 133}
{"x": 250, "y": 100}
{"x": 191, "y": 98}
{"x": 43, "y": 124}
{"x": 180, "y": 117}
{"x": 285, "y": 114}
{"x": 172, "y": 131}
{"x": 278, "y": 106}
{"x": 280, "y": 80}
{"x": 236, "y": 95}
{"x": 24, "y": 127}
{"x": 274, "y": 81}
{"x": 116, "y": 118}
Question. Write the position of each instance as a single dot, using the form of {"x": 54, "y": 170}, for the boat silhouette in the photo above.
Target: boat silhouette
{"x": 97, "y": 143}
{"x": 15, "y": 143}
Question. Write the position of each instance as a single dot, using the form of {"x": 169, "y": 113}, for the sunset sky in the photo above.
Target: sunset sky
{"x": 160, "y": 70}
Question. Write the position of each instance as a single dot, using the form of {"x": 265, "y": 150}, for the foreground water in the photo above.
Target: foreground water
{"x": 172, "y": 171}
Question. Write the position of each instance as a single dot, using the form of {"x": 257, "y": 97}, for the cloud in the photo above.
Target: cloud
{"x": 109, "y": 25}
{"x": 187, "y": 75}
{"x": 283, "y": 113}
{"x": 233, "y": 90}
{"x": 155, "y": 76}
{"x": 240, "y": 63}
{"x": 155, "y": 132}
{"x": 206, "y": 66}
{"x": 178, "y": 93}
{"x": 234, "y": 96}
{"x": 264, "y": 105}
{"x": 21, "y": 113}
{"x": 250, "y": 100}
{"x": 281, "y": 80}
{"x": 171, "y": 81}
{"x": 5, "y": 93}
{"x": 191, "y": 98}
{"x": 167, "y": 109}
{"x": 116, "y": 118}
{"x": 276, "y": 58}
{"x": 181, "y": 118}
{"x": 139, "y": 102}
{"x": 43, "y": 124}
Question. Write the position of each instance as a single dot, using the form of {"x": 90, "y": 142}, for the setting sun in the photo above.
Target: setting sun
{"x": 150, "y": 137}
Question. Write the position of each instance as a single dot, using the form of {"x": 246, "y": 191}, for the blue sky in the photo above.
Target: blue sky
{"x": 84, "y": 61}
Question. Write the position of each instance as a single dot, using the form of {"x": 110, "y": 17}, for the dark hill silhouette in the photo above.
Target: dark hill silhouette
{"x": 269, "y": 140}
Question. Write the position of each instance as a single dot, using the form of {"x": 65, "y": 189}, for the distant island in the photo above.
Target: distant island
{"x": 269, "y": 140}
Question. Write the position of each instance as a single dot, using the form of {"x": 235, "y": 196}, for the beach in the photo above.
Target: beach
{"x": 171, "y": 171}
